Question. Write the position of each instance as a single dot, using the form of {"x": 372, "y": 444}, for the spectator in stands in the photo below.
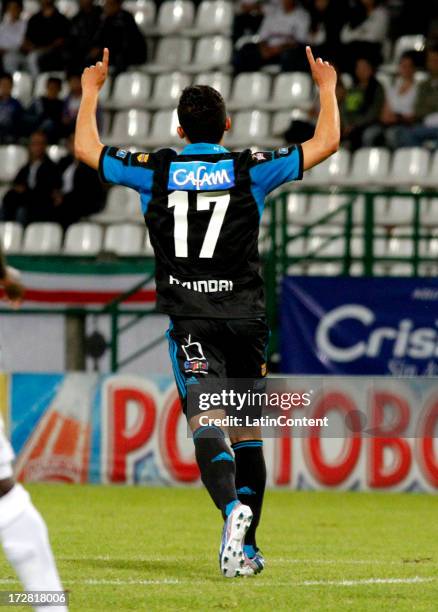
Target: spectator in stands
{"x": 283, "y": 34}
{"x": 71, "y": 103}
{"x": 399, "y": 106}
{"x": 247, "y": 19}
{"x": 45, "y": 39}
{"x": 325, "y": 27}
{"x": 12, "y": 31}
{"x": 45, "y": 113}
{"x": 35, "y": 187}
{"x": 425, "y": 119}
{"x": 84, "y": 26}
{"x": 362, "y": 104}
{"x": 364, "y": 33}
{"x": 81, "y": 192}
{"x": 119, "y": 32}
{"x": 11, "y": 111}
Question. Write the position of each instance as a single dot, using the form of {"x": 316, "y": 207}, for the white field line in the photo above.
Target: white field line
{"x": 254, "y": 583}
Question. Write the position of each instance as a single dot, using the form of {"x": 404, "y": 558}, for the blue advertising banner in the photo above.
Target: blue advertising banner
{"x": 366, "y": 326}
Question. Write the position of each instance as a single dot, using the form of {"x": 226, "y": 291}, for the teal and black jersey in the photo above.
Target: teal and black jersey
{"x": 202, "y": 208}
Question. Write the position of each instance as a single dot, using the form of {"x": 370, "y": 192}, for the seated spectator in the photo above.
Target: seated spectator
{"x": 35, "y": 187}
{"x": 81, "y": 192}
{"x": 364, "y": 33}
{"x": 12, "y": 31}
{"x": 425, "y": 116}
{"x": 283, "y": 34}
{"x": 45, "y": 38}
{"x": 325, "y": 27}
{"x": 10, "y": 111}
{"x": 248, "y": 19}
{"x": 362, "y": 104}
{"x": 84, "y": 26}
{"x": 399, "y": 106}
{"x": 45, "y": 113}
{"x": 119, "y": 32}
{"x": 71, "y": 103}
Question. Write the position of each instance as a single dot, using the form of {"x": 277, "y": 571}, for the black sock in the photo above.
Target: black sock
{"x": 217, "y": 467}
{"x": 250, "y": 481}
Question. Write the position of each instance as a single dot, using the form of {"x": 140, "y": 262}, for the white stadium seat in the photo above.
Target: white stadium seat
{"x": 322, "y": 205}
{"x": 56, "y": 152}
{"x": 30, "y": 7}
{"x": 291, "y": 90}
{"x": 410, "y": 42}
{"x": 131, "y": 90}
{"x": 172, "y": 52}
{"x": 11, "y": 236}
{"x": 83, "y": 239}
{"x": 22, "y": 87}
{"x": 122, "y": 204}
{"x": 429, "y": 212}
{"x": 250, "y": 90}
{"x": 393, "y": 211}
{"x": 320, "y": 245}
{"x": 370, "y": 166}
{"x": 69, "y": 8}
{"x": 211, "y": 52}
{"x": 214, "y": 17}
{"x": 42, "y": 238}
{"x": 41, "y": 83}
{"x": 163, "y": 131}
{"x": 282, "y": 119}
{"x": 12, "y": 158}
{"x": 129, "y": 127}
{"x": 174, "y": 16}
{"x": 332, "y": 268}
{"x": 297, "y": 208}
{"x": 248, "y": 126}
{"x": 409, "y": 166}
{"x": 219, "y": 80}
{"x": 144, "y": 12}
{"x": 167, "y": 90}
{"x": 124, "y": 239}
{"x": 333, "y": 170}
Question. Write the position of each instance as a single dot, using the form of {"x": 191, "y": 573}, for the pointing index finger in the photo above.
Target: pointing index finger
{"x": 310, "y": 57}
{"x": 105, "y": 59}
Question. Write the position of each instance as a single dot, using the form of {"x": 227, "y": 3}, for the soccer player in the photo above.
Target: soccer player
{"x": 202, "y": 208}
{"x": 23, "y": 533}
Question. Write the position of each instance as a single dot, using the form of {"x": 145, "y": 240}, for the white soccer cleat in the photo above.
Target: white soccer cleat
{"x": 231, "y": 555}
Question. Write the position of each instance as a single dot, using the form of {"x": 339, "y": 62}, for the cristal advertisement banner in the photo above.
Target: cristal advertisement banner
{"x": 371, "y": 326}
{"x": 124, "y": 429}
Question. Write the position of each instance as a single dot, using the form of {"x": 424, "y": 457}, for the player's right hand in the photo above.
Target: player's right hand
{"x": 13, "y": 288}
{"x": 323, "y": 73}
{"x": 94, "y": 77}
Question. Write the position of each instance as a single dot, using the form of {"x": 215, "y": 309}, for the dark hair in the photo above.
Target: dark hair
{"x": 7, "y": 75}
{"x": 55, "y": 80}
{"x": 202, "y": 114}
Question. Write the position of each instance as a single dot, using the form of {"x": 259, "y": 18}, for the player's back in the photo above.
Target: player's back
{"x": 202, "y": 209}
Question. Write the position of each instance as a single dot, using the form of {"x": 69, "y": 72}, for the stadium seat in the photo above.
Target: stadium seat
{"x": 393, "y": 211}
{"x": 149, "y": 251}
{"x": 30, "y": 7}
{"x": 122, "y": 205}
{"x": 250, "y": 90}
{"x": 83, "y": 239}
{"x": 163, "y": 130}
{"x": 167, "y": 90}
{"x": 429, "y": 212}
{"x": 410, "y": 166}
{"x": 281, "y": 120}
{"x": 332, "y": 268}
{"x": 400, "y": 246}
{"x": 249, "y": 126}
{"x": 144, "y": 12}
{"x": 213, "y": 17}
{"x": 370, "y": 166}
{"x": 210, "y": 52}
{"x": 41, "y": 82}
{"x": 131, "y": 90}
{"x": 172, "y": 52}
{"x": 56, "y": 152}
{"x": 318, "y": 242}
{"x": 322, "y": 205}
{"x": 42, "y": 238}
{"x": 291, "y": 89}
{"x": 174, "y": 16}
{"x": 332, "y": 171}
{"x": 129, "y": 127}
{"x": 22, "y": 87}
{"x": 410, "y": 42}
{"x": 12, "y": 158}
{"x": 431, "y": 180}
{"x": 69, "y": 8}
{"x": 124, "y": 239}
{"x": 297, "y": 207}
{"x": 11, "y": 236}
{"x": 296, "y": 247}
{"x": 219, "y": 80}
{"x": 392, "y": 269}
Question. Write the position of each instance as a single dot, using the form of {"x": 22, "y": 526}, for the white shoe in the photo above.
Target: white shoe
{"x": 231, "y": 555}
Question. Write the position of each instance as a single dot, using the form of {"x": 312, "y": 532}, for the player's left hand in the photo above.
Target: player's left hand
{"x": 13, "y": 288}
{"x": 94, "y": 77}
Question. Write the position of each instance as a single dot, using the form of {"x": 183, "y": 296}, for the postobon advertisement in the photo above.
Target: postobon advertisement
{"x": 124, "y": 429}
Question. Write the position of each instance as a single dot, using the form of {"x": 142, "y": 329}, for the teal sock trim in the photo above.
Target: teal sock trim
{"x": 249, "y": 550}
{"x": 230, "y": 507}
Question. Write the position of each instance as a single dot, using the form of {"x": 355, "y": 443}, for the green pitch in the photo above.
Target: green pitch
{"x": 125, "y": 548}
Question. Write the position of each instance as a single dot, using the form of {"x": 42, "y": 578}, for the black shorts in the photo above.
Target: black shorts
{"x": 217, "y": 348}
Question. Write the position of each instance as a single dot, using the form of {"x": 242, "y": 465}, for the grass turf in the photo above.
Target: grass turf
{"x": 127, "y": 548}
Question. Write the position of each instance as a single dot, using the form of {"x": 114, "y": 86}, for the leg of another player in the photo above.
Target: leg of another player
{"x": 25, "y": 541}
{"x": 250, "y": 483}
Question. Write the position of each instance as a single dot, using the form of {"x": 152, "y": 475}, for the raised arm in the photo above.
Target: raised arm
{"x": 327, "y": 135}
{"x": 88, "y": 146}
